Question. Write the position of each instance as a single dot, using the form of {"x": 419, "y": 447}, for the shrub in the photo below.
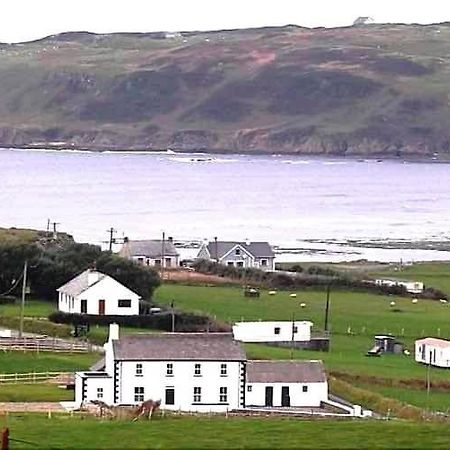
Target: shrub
{"x": 183, "y": 321}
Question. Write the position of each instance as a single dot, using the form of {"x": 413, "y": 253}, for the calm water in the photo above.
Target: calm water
{"x": 280, "y": 199}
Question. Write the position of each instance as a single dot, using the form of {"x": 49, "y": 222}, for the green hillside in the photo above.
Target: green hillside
{"x": 373, "y": 90}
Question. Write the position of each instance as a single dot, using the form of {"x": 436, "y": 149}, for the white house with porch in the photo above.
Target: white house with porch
{"x": 273, "y": 331}
{"x": 239, "y": 254}
{"x": 433, "y": 351}
{"x": 198, "y": 372}
{"x": 93, "y": 292}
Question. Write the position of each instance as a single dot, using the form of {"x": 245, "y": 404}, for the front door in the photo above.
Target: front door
{"x": 83, "y": 306}
{"x": 170, "y": 396}
{"x": 101, "y": 307}
{"x": 285, "y": 398}
{"x": 269, "y": 396}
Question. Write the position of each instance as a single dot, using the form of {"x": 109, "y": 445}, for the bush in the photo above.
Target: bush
{"x": 183, "y": 321}
{"x": 36, "y": 326}
{"x": 7, "y": 300}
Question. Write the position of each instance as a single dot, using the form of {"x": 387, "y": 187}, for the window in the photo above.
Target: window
{"x": 168, "y": 262}
{"x": 223, "y": 370}
{"x": 169, "y": 370}
{"x": 237, "y": 252}
{"x": 264, "y": 263}
{"x": 141, "y": 261}
{"x": 240, "y": 264}
{"x": 197, "y": 394}
{"x": 124, "y": 303}
{"x": 295, "y": 330}
{"x": 249, "y": 388}
{"x": 139, "y": 370}
{"x": 83, "y": 307}
{"x": 276, "y": 330}
{"x": 99, "y": 392}
{"x": 198, "y": 370}
{"x": 304, "y": 388}
{"x": 139, "y": 394}
{"x": 223, "y": 397}
{"x": 157, "y": 262}
{"x": 230, "y": 263}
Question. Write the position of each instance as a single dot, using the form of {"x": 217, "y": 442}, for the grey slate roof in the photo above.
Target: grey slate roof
{"x": 179, "y": 346}
{"x": 80, "y": 283}
{"x": 285, "y": 372}
{"x": 257, "y": 249}
{"x": 148, "y": 248}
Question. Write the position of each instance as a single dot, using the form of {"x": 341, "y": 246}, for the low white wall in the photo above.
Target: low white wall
{"x": 265, "y": 331}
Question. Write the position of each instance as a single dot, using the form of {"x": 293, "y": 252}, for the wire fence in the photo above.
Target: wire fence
{"x": 37, "y": 377}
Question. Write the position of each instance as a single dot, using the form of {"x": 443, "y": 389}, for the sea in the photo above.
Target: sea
{"x": 310, "y": 209}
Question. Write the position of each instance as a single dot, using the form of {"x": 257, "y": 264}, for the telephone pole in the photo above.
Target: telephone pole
{"x": 163, "y": 254}
{"x": 55, "y": 233}
{"x": 327, "y": 308}
{"x": 112, "y": 239}
{"x": 22, "y": 304}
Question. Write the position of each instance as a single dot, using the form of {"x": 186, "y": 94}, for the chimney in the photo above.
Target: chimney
{"x": 247, "y": 242}
{"x": 113, "y": 332}
{"x": 93, "y": 277}
{"x": 125, "y": 240}
{"x": 170, "y": 239}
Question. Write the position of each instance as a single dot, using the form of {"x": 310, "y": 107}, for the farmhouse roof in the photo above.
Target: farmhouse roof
{"x": 179, "y": 346}
{"x": 148, "y": 248}
{"x": 81, "y": 282}
{"x": 434, "y": 342}
{"x": 285, "y": 372}
{"x": 257, "y": 249}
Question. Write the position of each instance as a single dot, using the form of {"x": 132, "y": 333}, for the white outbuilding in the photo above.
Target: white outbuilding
{"x": 93, "y": 292}
{"x": 433, "y": 351}
{"x": 274, "y": 331}
{"x": 286, "y": 384}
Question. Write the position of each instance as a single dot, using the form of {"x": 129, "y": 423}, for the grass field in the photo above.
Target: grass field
{"x": 62, "y": 431}
{"x": 33, "y": 308}
{"x": 20, "y": 362}
{"x": 39, "y": 392}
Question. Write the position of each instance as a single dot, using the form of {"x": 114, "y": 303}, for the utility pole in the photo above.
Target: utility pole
{"x": 428, "y": 379}
{"x": 173, "y": 315}
{"x": 327, "y": 308}
{"x": 22, "y": 305}
{"x": 292, "y": 336}
{"x": 48, "y": 227}
{"x": 112, "y": 240}
{"x": 216, "y": 249}
{"x": 163, "y": 254}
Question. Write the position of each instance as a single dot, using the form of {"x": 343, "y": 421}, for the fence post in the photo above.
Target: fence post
{"x": 5, "y": 439}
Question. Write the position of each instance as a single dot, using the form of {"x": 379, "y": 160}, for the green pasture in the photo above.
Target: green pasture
{"x": 173, "y": 432}
{"x": 39, "y": 392}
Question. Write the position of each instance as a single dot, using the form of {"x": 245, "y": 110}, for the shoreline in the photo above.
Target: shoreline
{"x": 377, "y": 157}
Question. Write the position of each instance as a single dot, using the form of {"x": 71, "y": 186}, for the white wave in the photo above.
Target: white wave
{"x": 334, "y": 163}
{"x": 296, "y": 161}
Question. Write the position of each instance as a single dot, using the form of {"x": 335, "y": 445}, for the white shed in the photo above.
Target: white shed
{"x": 275, "y": 331}
{"x": 93, "y": 292}
{"x": 286, "y": 384}
{"x": 433, "y": 351}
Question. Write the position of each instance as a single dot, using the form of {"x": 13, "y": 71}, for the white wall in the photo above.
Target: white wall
{"x": 155, "y": 381}
{"x": 317, "y": 392}
{"x": 430, "y": 354}
{"x": 265, "y": 331}
{"x": 169, "y": 261}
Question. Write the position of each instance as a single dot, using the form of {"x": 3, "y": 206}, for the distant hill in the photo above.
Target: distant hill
{"x": 372, "y": 90}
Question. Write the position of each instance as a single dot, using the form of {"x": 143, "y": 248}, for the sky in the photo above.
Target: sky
{"x": 23, "y": 20}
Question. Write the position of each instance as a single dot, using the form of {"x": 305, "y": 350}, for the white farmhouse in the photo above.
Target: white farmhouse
{"x": 239, "y": 254}
{"x": 198, "y": 372}
{"x": 286, "y": 384}
{"x": 433, "y": 351}
{"x": 93, "y": 292}
{"x": 153, "y": 253}
{"x": 279, "y": 331}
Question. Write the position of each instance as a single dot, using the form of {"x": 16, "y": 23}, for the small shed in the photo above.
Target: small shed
{"x": 385, "y": 344}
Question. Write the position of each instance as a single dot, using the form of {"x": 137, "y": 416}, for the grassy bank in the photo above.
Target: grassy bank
{"x": 220, "y": 433}
{"x": 40, "y": 392}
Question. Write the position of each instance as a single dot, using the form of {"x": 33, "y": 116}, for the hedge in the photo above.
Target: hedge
{"x": 183, "y": 321}
{"x": 37, "y": 326}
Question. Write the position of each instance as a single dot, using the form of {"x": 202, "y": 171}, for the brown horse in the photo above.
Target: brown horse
{"x": 147, "y": 408}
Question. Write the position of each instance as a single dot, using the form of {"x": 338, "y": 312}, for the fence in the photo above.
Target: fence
{"x": 37, "y": 377}
{"x": 44, "y": 345}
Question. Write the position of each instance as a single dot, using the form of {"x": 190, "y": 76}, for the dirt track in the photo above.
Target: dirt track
{"x": 30, "y": 407}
